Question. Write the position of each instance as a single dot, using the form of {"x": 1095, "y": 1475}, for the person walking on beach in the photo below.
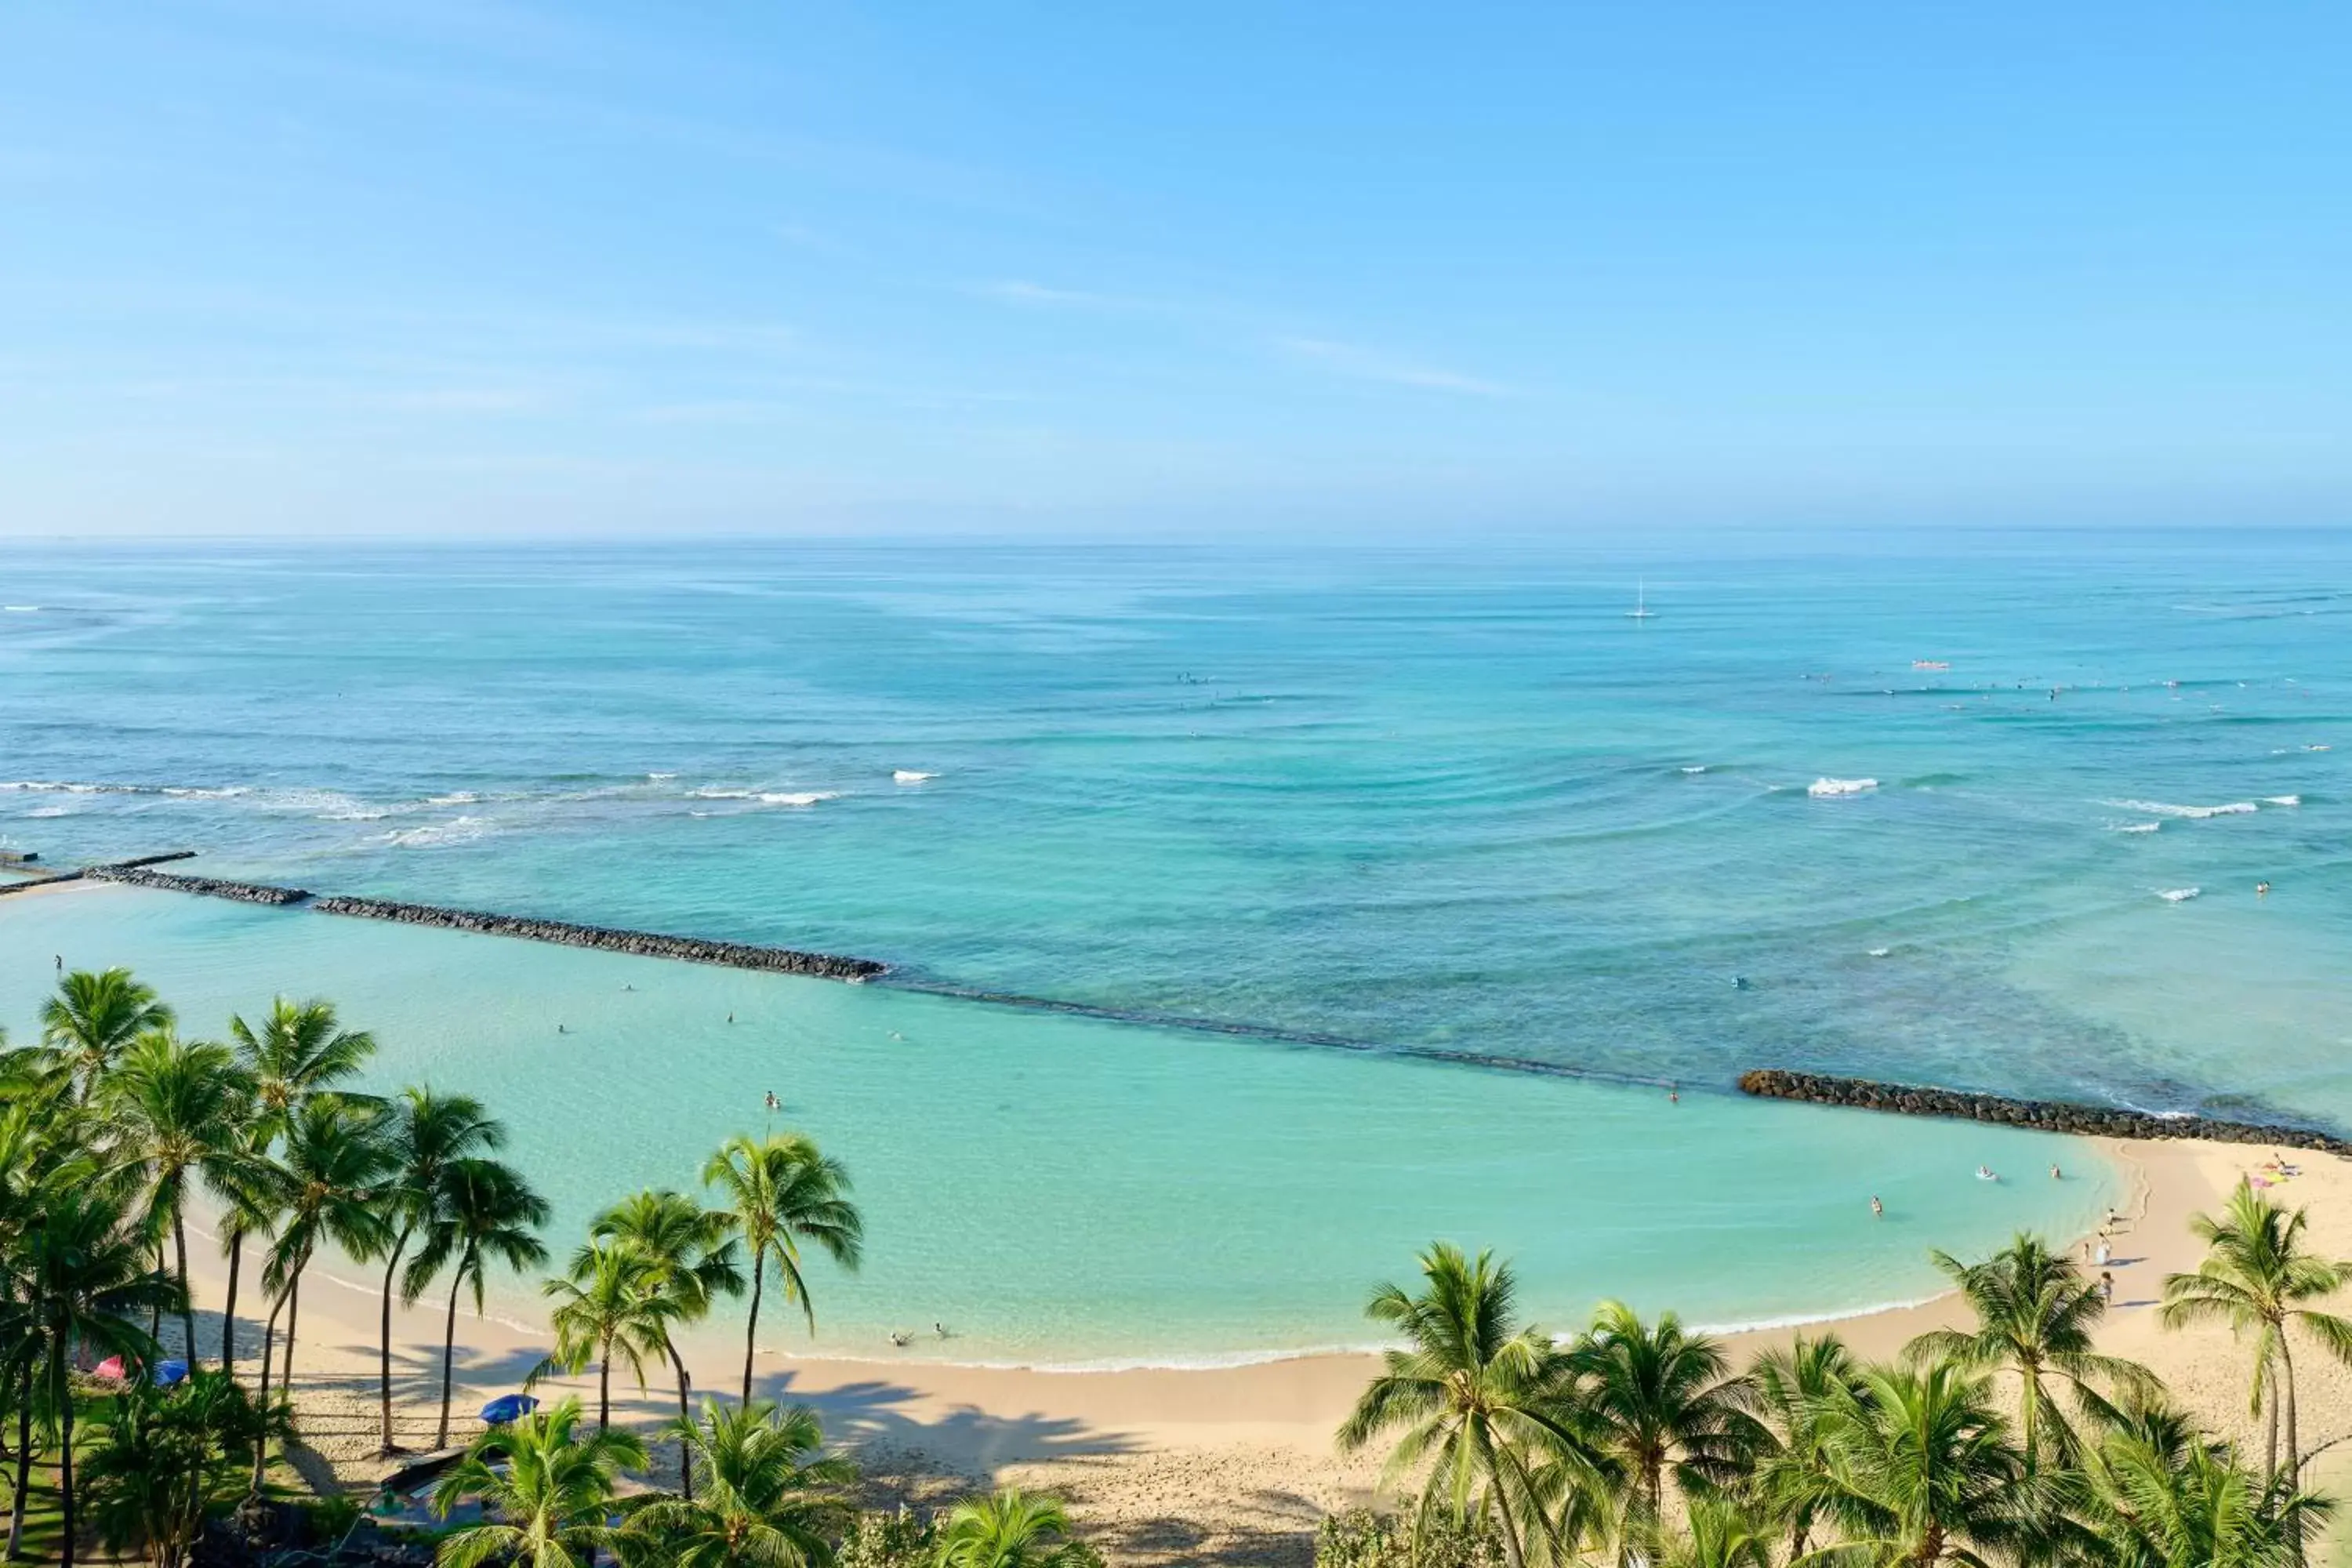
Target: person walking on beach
{"x": 2107, "y": 1288}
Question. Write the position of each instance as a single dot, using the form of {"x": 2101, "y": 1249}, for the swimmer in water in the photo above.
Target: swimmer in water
{"x": 2054, "y": 1174}
{"x": 561, "y": 1029}
{"x": 1877, "y": 1209}
{"x": 1985, "y": 1173}
{"x": 730, "y": 1017}
{"x": 1673, "y": 1095}
{"x": 938, "y": 1328}
{"x": 771, "y": 1101}
{"x": 901, "y": 1340}
{"x": 2262, "y": 889}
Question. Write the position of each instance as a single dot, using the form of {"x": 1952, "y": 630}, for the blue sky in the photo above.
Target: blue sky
{"x": 1124, "y": 270}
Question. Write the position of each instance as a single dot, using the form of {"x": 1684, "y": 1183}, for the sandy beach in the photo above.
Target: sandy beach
{"x": 1229, "y": 1465}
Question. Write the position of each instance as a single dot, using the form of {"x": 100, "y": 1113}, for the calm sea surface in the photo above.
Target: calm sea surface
{"x": 1454, "y": 799}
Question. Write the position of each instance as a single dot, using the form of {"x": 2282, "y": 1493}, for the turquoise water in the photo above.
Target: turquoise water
{"x": 1067, "y": 1190}
{"x": 1448, "y": 799}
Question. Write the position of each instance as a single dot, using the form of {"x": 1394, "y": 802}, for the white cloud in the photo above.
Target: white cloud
{"x": 1370, "y": 365}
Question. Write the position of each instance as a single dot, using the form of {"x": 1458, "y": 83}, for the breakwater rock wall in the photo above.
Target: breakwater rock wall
{"x": 136, "y": 873}
{"x": 644, "y": 945}
{"x": 2040, "y": 1115}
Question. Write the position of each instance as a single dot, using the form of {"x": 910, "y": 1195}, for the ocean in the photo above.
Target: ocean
{"x": 1982, "y": 809}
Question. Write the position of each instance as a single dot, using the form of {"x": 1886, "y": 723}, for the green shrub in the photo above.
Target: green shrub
{"x": 1362, "y": 1539}
{"x": 900, "y": 1539}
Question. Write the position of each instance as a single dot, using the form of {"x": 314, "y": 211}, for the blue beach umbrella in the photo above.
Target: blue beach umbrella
{"x": 168, "y": 1372}
{"x": 501, "y": 1411}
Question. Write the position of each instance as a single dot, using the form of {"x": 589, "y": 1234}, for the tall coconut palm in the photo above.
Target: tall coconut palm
{"x": 483, "y": 1212}
{"x": 93, "y": 1018}
{"x": 2255, "y": 1277}
{"x": 298, "y": 1052}
{"x": 83, "y": 1265}
{"x": 2035, "y": 1317}
{"x": 2158, "y": 1494}
{"x": 1791, "y": 1476}
{"x": 1658, "y": 1397}
{"x": 1476, "y": 1393}
{"x": 1925, "y": 1470}
{"x": 692, "y": 1258}
{"x": 1010, "y": 1528}
{"x": 544, "y": 1492}
{"x": 770, "y": 1499}
{"x": 173, "y": 1109}
{"x": 425, "y": 1132}
{"x": 611, "y": 1303}
{"x": 782, "y": 1192}
{"x": 336, "y": 1163}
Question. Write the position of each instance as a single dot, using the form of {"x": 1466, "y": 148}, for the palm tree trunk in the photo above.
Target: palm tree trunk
{"x": 752, "y": 1329}
{"x": 2032, "y": 1403}
{"x": 605, "y": 1390}
{"x": 1512, "y": 1550}
{"x": 293, "y": 1311}
{"x": 65, "y": 1462}
{"x": 155, "y": 1308}
{"x": 2294, "y": 1447}
{"x": 448, "y": 1354}
{"x": 383, "y": 1367}
{"x": 268, "y": 1344}
{"x": 24, "y": 1466}
{"x": 187, "y": 1297}
{"x": 228, "y": 1309}
{"x": 2269, "y": 1422}
{"x": 685, "y": 1413}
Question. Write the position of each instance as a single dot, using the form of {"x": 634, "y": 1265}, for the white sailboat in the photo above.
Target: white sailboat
{"x": 1640, "y": 610}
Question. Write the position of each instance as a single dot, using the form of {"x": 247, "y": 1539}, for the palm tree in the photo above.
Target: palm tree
{"x": 782, "y": 1192}
{"x": 2254, "y": 1275}
{"x": 1011, "y": 1528}
{"x": 2158, "y": 1494}
{"x": 482, "y": 1210}
{"x": 1924, "y": 1470}
{"x": 611, "y": 1301}
{"x": 1790, "y": 1479}
{"x": 2035, "y": 1316}
{"x": 1650, "y": 1398}
{"x": 1476, "y": 1393}
{"x": 93, "y": 1017}
{"x": 84, "y": 1270}
{"x": 768, "y": 1499}
{"x": 1721, "y": 1534}
{"x": 335, "y": 1162}
{"x": 692, "y": 1260}
{"x": 425, "y": 1132}
{"x": 298, "y": 1053}
{"x": 172, "y": 1109}
{"x": 544, "y": 1493}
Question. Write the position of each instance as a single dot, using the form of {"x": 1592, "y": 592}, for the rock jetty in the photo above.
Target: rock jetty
{"x": 644, "y": 945}
{"x": 2040, "y": 1115}
{"x": 137, "y": 875}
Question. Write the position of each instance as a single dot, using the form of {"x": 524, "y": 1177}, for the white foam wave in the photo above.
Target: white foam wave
{"x": 2282, "y": 800}
{"x": 2135, "y": 827}
{"x": 2178, "y": 895}
{"x": 51, "y": 811}
{"x": 1824, "y": 788}
{"x": 1695, "y": 768}
{"x": 1880, "y": 951}
{"x": 457, "y": 830}
{"x": 722, "y": 794}
{"x": 659, "y": 778}
{"x": 801, "y": 797}
{"x": 22, "y": 610}
{"x": 2162, "y": 808}
{"x": 455, "y": 797}
{"x": 909, "y": 776}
